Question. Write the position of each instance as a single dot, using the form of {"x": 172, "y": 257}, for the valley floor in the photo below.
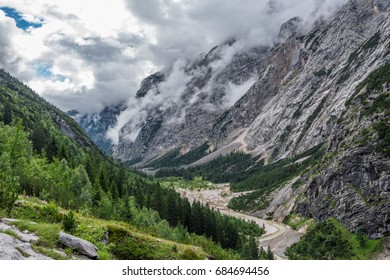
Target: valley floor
{"x": 278, "y": 236}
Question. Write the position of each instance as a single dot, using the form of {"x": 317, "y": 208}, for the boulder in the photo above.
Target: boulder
{"x": 84, "y": 247}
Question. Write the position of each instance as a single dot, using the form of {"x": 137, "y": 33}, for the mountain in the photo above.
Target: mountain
{"x": 313, "y": 93}
{"x": 53, "y": 178}
{"x": 96, "y": 125}
{"x": 281, "y": 87}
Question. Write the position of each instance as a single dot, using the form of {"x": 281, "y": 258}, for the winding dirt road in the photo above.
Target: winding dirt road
{"x": 278, "y": 236}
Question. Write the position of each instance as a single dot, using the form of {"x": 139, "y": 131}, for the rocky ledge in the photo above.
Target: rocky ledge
{"x": 18, "y": 245}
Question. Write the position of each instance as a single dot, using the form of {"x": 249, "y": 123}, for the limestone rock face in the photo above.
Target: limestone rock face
{"x": 84, "y": 247}
{"x": 295, "y": 91}
{"x": 150, "y": 84}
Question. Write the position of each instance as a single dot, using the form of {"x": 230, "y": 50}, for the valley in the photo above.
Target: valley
{"x": 254, "y": 149}
{"x": 277, "y": 235}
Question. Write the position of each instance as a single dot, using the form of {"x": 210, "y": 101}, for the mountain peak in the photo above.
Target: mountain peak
{"x": 289, "y": 29}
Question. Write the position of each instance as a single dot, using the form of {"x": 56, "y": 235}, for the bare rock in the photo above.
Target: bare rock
{"x": 84, "y": 247}
{"x": 13, "y": 249}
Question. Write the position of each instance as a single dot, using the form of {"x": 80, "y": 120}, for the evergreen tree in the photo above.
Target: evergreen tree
{"x": 253, "y": 249}
{"x": 7, "y": 113}
{"x": 38, "y": 138}
{"x": 270, "y": 255}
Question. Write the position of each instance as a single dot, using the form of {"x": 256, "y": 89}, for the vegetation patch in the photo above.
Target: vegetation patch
{"x": 223, "y": 169}
{"x": 329, "y": 240}
{"x": 374, "y": 93}
{"x": 311, "y": 119}
{"x": 320, "y": 73}
{"x": 174, "y": 159}
{"x": 269, "y": 178}
{"x": 297, "y": 221}
{"x": 48, "y": 233}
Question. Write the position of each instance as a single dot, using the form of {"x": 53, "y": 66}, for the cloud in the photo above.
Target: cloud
{"x": 235, "y": 92}
{"x": 89, "y": 54}
{"x": 138, "y": 109}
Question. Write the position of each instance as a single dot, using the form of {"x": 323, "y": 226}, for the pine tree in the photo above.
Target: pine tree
{"x": 38, "y": 138}
{"x": 253, "y": 249}
{"x": 7, "y": 113}
{"x": 270, "y": 255}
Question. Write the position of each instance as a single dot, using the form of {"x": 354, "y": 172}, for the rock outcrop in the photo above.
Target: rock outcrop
{"x": 17, "y": 249}
{"x": 14, "y": 249}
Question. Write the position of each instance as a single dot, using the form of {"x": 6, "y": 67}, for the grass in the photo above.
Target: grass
{"x": 24, "y": 254}
{"x": 114, "y": 240}
{"x": 10, "y": 233}
{"x": 360, "y": 252}
{"x": 50, "y": 253}
{"x": 48, "y": 233}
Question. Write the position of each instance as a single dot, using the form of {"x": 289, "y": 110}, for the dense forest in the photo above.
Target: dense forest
{"x": 46, "y": 155}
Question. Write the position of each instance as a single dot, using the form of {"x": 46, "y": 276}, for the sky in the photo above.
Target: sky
{"x": 85, "y": 54}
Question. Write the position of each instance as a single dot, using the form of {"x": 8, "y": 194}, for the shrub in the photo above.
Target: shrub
{"x": 51, "y": 214}
{"x": 69, "y": 222}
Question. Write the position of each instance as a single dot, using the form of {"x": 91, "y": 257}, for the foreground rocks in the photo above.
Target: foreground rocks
{"x": 82, "y": 246}
{"x": 14, "y": 249}
{"x": 20, "y": 248}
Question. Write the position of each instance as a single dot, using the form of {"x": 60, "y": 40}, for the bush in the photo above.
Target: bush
{"x": 189, "y": 254}
{"x": 69, "y": 222}
{"x": 51, "y": 214}
{"x": 126, "y": 246}
{"x": 8, "y": 193}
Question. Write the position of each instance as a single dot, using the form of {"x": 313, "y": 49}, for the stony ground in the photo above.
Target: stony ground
{"x": 19, "y": 248}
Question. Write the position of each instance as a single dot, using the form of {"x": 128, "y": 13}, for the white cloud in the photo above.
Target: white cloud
{"x": 235, "y": 92}
{"x": 103, "y": 49}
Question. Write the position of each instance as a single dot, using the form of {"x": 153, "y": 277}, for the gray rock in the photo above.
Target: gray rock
{"x": 9, "y": 220}
{"x": 13, "y": 249}
{"x": 24, "y": 236}
{"x": 82, "y": 246}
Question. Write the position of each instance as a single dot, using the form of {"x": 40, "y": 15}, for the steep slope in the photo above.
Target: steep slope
{"x": 352, "y": 182}
{"x": 296, "y": 92}
{"x": 185, "y": 122}
{"x": 18, "y": 101}
{"x": 322, "y": 69}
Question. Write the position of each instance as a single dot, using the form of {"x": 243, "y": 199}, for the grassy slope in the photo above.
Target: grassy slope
{"x": 108, "y": 236}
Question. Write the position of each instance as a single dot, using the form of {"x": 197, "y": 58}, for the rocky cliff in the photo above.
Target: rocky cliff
{"x": 293, "y": 93}
{"x": 352, "y": 182}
